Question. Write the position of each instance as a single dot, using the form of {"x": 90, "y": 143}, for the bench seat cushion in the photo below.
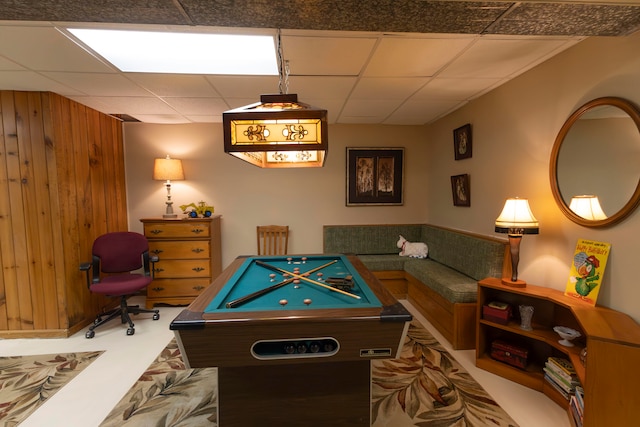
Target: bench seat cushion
{"x": 383, "y": 262}
{"x": 451, "y": 284}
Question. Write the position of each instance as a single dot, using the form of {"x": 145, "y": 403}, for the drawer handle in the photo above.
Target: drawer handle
{"x": 197, "y": 250}
{"x": 158, "y": 270}
{"x": 157, "y": 251}
{"x": 198, "y": 288}
{"x": 197, "y": 230}
{"x": 198, "y": 269}
{"x": 155, "y": 231}
{"x": 158, "y": 289}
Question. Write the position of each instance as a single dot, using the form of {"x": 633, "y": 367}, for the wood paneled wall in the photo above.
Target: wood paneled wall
{"x": 62, "y": 184}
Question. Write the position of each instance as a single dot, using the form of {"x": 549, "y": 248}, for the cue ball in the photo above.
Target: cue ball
{"x": 307, "y": 301}
{"x": 283, "y": 302}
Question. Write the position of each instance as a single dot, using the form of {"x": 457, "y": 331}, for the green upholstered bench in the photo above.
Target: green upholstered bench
{"x": 442, "y": 287}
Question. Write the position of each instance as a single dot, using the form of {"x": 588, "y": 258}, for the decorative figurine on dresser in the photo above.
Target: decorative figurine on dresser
{"x": 189, "y": 252}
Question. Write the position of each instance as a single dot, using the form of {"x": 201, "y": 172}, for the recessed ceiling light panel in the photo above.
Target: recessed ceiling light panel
{"x": 182, "y": 53}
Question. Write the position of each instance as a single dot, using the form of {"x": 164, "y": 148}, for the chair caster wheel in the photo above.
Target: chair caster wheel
{"x": 156, "y": 316}
{"x": 90, "y": 334}
{"x": 131, "y": 331}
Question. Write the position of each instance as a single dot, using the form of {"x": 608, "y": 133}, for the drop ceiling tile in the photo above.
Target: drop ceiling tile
{"x": 457, "y": 89}
{"x": 496, "y": 58}
{"x": 321, "y": 87}
{"x": 414, "y": 57}
{"x": 186, "y": 105}
{"x": 97, "y": 84}
{"x": 241, "y": 102}
{"x": 174, "y": 84}
{"x": 387, "y": 87}
{"x": 422, "y": 112}
{"x": 359, "y": 120}
{"x": 244, "y": 86}
{"x": 8, "y": 65}
{"x": 204, "y": 119}
{"x": 29, "y": 80}
{"x": 326, "y": 56}
{"x": 95, "y": 103}
{"x": 133, "y": 105}
{"x": 161, "y": 118}
{"x": 46, "y": 49}
{"x": 333, "y": 106}
{"x": 370, "y": 107}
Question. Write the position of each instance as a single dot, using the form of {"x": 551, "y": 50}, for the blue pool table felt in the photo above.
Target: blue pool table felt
{"x": 251, "y": 277}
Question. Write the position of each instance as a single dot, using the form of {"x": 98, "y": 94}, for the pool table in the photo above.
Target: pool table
{"x": 292, "y": 337}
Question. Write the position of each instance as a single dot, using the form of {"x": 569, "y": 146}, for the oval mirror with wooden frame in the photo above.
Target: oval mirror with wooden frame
{"x": 597, "y": 153}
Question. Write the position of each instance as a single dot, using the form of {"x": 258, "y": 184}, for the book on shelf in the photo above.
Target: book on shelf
{"x": 570, "y": 379}
{"x": 563, "y": 365}
{"x": 567, "y": 386}
{"x": 556, "y": 386}
{"x": 579, "y": 393}
{"x": 559, "y": 372}
{"x": 576, "y": 411}
{"x": 587, "y": 269}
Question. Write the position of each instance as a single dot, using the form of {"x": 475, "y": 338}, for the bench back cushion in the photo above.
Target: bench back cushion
{"x": 368, "y": 239}
{"x": 475, "y": 256}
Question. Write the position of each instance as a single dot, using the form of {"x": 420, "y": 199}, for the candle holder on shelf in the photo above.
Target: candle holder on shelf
{"x": 526, "y": 315}
{"x": 567, "y": 335}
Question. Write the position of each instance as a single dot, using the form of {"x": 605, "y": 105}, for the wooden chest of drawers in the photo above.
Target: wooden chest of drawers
{"x": 189, "y": 252}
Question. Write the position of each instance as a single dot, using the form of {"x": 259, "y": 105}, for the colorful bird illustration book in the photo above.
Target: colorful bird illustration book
{"x": 587, "y": 269}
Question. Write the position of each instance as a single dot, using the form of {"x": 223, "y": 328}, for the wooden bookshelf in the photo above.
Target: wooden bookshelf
{"x": 609, "y": 376}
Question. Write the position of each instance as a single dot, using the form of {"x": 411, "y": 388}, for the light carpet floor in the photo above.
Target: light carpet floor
{"x": 426, "y": 386}
{"x": 26, "y": 382}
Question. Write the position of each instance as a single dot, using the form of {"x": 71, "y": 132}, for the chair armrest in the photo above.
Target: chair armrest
{"x": 154, "y": 258}
{"x": 86, "y": 266}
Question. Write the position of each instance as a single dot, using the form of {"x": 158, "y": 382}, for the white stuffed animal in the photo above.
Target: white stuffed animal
{"x": 413, "y": 250}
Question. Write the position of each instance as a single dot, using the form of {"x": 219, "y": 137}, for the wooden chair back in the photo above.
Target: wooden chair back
{"x": 273, "y": 239}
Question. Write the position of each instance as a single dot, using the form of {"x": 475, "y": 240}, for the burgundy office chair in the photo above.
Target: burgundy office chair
{"x": 116, "y": 255}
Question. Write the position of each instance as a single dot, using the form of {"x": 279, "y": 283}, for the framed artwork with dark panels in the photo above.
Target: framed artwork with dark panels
{"x": 462, "y": 143}
{"x": 461, "y": 190}
{"x": 375, "y": 176}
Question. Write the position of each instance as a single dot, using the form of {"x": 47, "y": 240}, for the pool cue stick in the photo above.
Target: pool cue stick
{"x": 299, "y": 276}
{"x": 256, "y": 294}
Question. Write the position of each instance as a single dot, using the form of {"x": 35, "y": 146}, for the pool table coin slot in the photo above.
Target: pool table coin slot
{"x": 295, "y": 348}
{"x": 375, "y": 352}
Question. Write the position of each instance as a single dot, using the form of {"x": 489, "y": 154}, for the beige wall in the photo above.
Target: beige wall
{"x": 246, "y": 195}
{"x": 514, "y": 128}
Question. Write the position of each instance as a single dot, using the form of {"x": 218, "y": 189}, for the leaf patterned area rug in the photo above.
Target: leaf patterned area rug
{"x": 425, "y": 387}
{"x": 26, "y": 382}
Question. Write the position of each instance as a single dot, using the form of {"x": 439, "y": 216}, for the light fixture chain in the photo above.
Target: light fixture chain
{"x": 283, "y": 68}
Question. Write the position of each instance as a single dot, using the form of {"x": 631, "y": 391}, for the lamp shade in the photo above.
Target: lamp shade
{"x": 277, "y": 132}
{"x": 516, "y": 218}
{"x": 588, "y": 207}
{"x": 168, "y": 169}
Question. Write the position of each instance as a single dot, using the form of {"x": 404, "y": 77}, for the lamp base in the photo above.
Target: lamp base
{"x": 514, "y": 283}
{"x": 170, "y": 216}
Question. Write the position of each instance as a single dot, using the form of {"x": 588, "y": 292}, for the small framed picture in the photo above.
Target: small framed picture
{"x": 461, "y": 190}
{"x": 374, "y": 176}
{"x": 462, "y": 142}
